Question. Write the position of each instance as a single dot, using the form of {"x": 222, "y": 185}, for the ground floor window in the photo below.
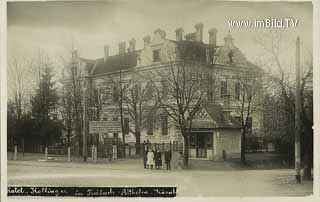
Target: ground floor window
{"x": 201, "y": 140}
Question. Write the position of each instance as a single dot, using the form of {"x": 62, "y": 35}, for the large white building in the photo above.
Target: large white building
{"x": 216, "y": 128}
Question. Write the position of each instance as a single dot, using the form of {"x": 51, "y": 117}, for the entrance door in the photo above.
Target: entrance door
{"x": 201, "y": 145}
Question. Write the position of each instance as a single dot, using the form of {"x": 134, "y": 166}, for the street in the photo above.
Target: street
{"x": 222, "y": 180}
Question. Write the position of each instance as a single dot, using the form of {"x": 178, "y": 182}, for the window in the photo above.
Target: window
{"x": 149, "y": 90}
{"x": 156, "y": 55}
{"x": 210, "y": 95}
{"x": 74, "y": 70}
{"x": 164, "y": 89}
{"x": 230, "y": 55}
{"x": 126, "y": 125}
{"x": 150, "y": 124}
{"x": 115, "y": 95}
{"x": 249, "y": 125}
{"x": 224, "y": 88}
{"x": 237, "y": 91}
{"x": 164, "y": 124}
{"x": 249, "y": 92}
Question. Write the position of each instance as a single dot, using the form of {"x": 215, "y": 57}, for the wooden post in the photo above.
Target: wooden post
{"x": 92, "y": 152}
{"x": 95, "y": 154}
{"x": 46, "y": 153}
{"x": 69, "y": 154}
{"x": 297, "y": 115}
{"x": 15, "y": 155}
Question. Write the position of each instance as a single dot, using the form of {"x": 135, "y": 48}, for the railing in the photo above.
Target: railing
{"x": 104, "y": 151}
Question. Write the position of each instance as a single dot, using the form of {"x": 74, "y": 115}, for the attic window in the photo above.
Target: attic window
{"x": 230, "y": 55}
{"x": 237, "y": 91}
{"x": 156, "y": 55}
{"x": 224, "y": 89}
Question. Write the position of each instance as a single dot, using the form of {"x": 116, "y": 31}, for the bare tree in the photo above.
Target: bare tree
{"x": 72, "y": 100}
{"x": 184, "y": 81}
{"x": 19, "y": 72}
{"x": 67, "y": 109}
{"x": 249, "y": 100}
{"x": 119, "y": 89}
{"x": 138, "y": 100}
{"x": 276, "y": 49}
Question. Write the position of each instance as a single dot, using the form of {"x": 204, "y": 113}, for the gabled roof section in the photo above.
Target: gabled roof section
{"x": 88, "y": 63}
{"x": 115, "y": 63}
{"x": 216, "y": 113}
{"x": 229, "y": 54}
{"x": 217, "y": 121}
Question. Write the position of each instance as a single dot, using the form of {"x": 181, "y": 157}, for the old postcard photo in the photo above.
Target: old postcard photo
{"x": 160, "y": 98}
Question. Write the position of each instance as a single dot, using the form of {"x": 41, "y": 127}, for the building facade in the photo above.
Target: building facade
{"x": 216, "y": 128}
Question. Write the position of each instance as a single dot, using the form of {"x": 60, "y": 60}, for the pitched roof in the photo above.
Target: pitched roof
{"x": 89, "y": 63}
{"x": 229, "y": 50}
{"x": 115, "y": 63}
{"x": 216, "y": 113}
{"x": 192, "y": 49}
{"x": 217, "y": 119}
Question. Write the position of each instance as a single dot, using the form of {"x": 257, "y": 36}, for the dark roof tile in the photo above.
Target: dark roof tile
{"x": 115, "y": 63}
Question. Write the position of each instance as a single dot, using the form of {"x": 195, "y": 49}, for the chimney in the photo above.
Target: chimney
{"x": 146, "y": 40}
{"x": 106, "y": 52}
{"x": 179, "y": 34}
{"x": 132, "y": 45}
{"x": 199, "y": 32}
{"x": 122, "y": 47}
{"x": 213, "y": 37}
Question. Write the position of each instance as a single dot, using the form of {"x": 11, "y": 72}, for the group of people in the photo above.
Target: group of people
{"x": 153, "y": 159}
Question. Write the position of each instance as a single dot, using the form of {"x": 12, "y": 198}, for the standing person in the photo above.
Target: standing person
{"x": 145, "y": 158}
{"x": 154, "y": 158}
{"x": 158, "y": 159}
{"x": 148, "y": 145}
{"x": 150, "y": 159}
{"x": 167, "y": 159}
{"x": 145, "y": 146}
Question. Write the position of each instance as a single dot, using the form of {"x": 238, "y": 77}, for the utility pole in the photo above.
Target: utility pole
{"x": 85, "y": 122}
{"x": 297, "y": 115}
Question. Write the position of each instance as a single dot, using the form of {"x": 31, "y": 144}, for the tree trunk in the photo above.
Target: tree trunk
{"x": 307, "y": 168}
{"x": 138, "y": 145}
{"x": 80, "y": 142}
{"x": 243, "y": 147}
{"x": 69, "y": 138}
{"x": 186, "y": 150}
{"x": 308, "y": 158}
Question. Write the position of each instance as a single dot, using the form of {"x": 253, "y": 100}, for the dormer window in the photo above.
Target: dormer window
{"x": 230, "y": 55}
{"x": 156, "y": 55}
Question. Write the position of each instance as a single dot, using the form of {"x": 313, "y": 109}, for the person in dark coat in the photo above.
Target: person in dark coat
{"x": 158, "y": 159}
{"x": 155, "y": 158}
{"x": 167, "y": 159}
{"x": 145, "y": 158}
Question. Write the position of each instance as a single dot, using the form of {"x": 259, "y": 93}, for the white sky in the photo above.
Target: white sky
{"x": 55, "y": 26}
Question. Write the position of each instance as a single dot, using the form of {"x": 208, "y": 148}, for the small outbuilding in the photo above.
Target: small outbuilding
{"x": 215, "y": 134}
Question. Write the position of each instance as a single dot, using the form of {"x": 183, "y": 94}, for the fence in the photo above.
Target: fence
{"x": 104, "y": 151}
{"x": 254, "y": 145}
